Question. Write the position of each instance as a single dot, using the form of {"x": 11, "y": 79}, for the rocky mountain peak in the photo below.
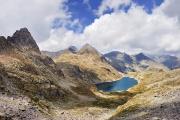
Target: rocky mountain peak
{"x": 141, "y": 56}
{"x": 73, "y": 49}
{"x": 22, "y": 39}
{"x": 116, "y": 55}
{"x": 2, "y": 40}
{"x": 88, "y": 49}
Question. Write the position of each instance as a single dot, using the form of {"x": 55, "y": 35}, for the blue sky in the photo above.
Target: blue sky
{"x": 85, "y": 12}
{"x": 148, "y": 4}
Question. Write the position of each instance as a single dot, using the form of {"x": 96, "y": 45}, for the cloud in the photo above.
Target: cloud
{"x": 131, "y": 32}
{"x": 171, "y": 8}
{"x": 111, "y": 4}
{"x": 61, "y": 39}
{"x": 135, "y": 31}
{"x": 37, "y": 15}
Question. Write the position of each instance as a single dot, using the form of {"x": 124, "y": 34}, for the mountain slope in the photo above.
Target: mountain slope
{"x": 90, "y": 59}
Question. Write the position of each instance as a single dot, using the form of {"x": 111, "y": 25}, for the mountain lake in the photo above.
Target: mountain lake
{"x": 117, "y": 86}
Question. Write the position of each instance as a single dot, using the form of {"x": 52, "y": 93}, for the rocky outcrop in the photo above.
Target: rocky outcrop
{"x": 22, "y": 39}
{"x": 72, "y": 49}
{"x": 4, "y": 44}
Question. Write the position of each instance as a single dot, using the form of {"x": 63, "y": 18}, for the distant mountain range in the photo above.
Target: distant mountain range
{"x": 124, "y": 62}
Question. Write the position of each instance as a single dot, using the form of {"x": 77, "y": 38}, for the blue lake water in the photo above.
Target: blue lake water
{"x": 120, "y": 85}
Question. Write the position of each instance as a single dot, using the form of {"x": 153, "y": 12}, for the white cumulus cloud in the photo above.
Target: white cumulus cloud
{"x": 36, "y": 15}
{"x": 171, "y": 8}
{"x": 135, "y": 31}
{"x": 131, "y": 32}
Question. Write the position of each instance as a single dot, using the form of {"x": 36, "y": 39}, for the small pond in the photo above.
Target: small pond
{"x": 115, "y": 86}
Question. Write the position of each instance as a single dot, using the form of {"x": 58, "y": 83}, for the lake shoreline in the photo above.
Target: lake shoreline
{"x": 124, "y": 84}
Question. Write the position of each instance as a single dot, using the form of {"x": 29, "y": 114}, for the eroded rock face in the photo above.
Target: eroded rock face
{"x": 4, "y": 45}
{"x": 22, "y": 39}
{"x": 73, "y": 49}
